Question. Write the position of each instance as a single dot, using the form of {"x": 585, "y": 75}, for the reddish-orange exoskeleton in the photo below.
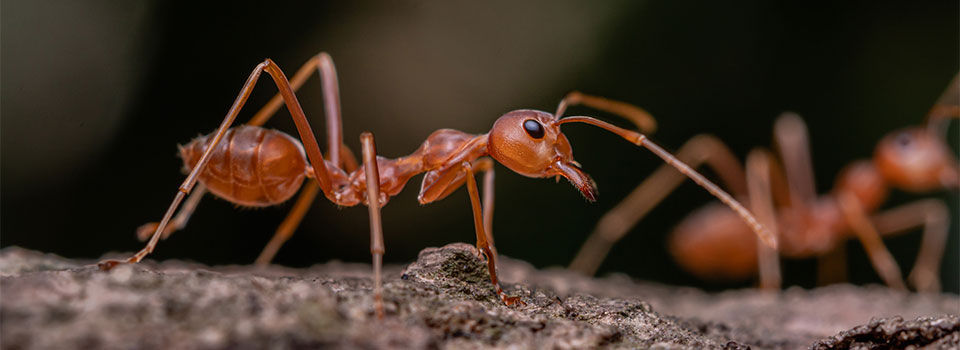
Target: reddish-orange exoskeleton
{"x": 253, "y": 166}
{"x": 712, "y": 244}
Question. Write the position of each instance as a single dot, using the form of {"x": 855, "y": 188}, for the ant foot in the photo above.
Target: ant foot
{"x": 510, "y": 301}
{"x": 480, "y": 254}
{"x": 378, "y": 306}
{"x": 924, "y": 280}
{"x": 106, "y": 265}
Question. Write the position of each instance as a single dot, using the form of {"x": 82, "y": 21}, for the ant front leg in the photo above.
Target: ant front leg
{"x": 440, "y": 183}
{"x": 452, "y": 179}
{"x": 484, "y": 245}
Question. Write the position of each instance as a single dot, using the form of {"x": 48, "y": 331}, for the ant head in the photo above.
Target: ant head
{"x": 530, "y": 143}
{"x": 916, "y": 160}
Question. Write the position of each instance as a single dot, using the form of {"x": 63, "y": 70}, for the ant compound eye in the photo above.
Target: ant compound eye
{"x": 904, "y": 140}
{"x": 533, "y": 128}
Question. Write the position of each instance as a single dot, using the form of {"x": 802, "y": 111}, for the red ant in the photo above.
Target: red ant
{"x": 253, "y": 166}
{"x": 712, "y": 244}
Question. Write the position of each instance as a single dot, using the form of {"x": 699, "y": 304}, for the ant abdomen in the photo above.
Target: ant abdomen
{"x": 251, "y": 166}
{"x": 714, "y": 243}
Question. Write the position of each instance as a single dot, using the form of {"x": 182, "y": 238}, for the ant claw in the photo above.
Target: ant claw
{"x": 481, "y": 254}
{"x": 108, "y": 264}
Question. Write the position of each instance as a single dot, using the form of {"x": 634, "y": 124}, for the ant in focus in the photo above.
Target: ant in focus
{"x": 257, "y": 167}
{"x": 712, "y": 244}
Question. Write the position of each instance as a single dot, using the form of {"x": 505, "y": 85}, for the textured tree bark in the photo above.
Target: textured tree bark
{"x": 443, "y": 299}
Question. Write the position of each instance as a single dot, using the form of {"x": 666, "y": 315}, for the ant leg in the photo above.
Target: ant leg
{"x": 934, "y": 216}
{"x": 618, "y": 221}
{"x": 262, "y": 116}
{"x": 880, "y": 257}
{"x": 179, "y": 221}
{"x": 290, "y": 223}
{"x": 640, "y": 117}
{"x": 484, "y": 165}
{"x": 483, "y": 245}
{"x": 793, "y": 142}
{"x": 268, "y": 110}
{"x": 761, "y": 203}
{"x": 337, "y": 153}
{"x": 347, "y": 160}
{"x": 309, "y": 142}
{"x": 832, "y": 266}
{"x": 191, "y": 180}
{"x": 323, "y": 63}
{"x": 453, "y": 178}
{"x": 946, "y": 107}
{"x": 487, "y": 200}
{"x": 372, "y": 174}
{"x": 299, "y": 210}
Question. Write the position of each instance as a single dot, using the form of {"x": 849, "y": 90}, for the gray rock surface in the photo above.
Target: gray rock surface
{"x": 443, "y": 300}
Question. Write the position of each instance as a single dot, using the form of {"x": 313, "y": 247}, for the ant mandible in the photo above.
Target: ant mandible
{"x": 712, "y": 244}
{"x": 252, "y": 166}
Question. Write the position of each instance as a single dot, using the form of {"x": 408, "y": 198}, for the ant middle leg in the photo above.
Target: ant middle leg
{"x": 307, "y": 195}
{"x": 377, "y": 249}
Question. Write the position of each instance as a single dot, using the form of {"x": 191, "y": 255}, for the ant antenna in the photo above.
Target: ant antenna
{"x": 641, "y": 118}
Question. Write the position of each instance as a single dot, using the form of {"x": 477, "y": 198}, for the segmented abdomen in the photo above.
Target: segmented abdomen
{"x": 251, "y": 166}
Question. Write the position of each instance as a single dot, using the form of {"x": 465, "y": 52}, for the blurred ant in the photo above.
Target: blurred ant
{"x": 712, "y": 244}
{"x": 252, "y": 166}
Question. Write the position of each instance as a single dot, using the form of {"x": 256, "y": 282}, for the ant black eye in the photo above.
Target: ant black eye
{"x": 533, "y": 128}
{"x": 904, "y": 140}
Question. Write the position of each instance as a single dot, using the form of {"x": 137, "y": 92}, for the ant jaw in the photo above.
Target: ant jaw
{"x": 577, "y": 178}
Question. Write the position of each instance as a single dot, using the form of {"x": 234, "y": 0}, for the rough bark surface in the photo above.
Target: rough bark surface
{"x": 443, "y": 300}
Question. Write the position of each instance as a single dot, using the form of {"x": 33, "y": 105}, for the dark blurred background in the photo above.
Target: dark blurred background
{"x": 97, "y": 94}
